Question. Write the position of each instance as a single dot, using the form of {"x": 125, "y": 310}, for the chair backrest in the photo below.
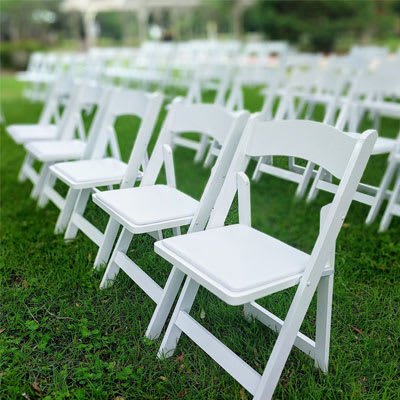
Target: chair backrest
{"x": 84, "y": 96}
{"x": 212, "y": 120}
{"x": 345, "y": 155}
{"x": 139, "y": 103}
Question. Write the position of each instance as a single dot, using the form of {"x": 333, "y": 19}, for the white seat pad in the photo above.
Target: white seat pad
{"x": 236, "y": 259}
{"x": 90, "y": 173}
{"x": 384, "y": 145}
{"x": 56, "y": 150}
{"x": 148, "y": 205}
{"x": 22, "y": 133}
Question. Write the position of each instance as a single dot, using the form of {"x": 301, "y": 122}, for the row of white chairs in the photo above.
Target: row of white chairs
{"x": 237, "y": 263}
{"x": 302, "y": 83}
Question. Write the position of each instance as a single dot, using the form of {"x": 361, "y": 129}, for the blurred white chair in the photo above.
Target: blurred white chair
{"x": 50, "y": 121}
{"x": 154, "y": 207}
{"x": 66, "y": 147}
{"x": 240, "y": 264}
{"x": 83, "y": 176}
{"x": 393, "y": 207}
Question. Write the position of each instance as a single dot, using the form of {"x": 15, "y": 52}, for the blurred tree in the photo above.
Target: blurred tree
{"x": 27, "y": 19}
{"x": 319, "y": 24}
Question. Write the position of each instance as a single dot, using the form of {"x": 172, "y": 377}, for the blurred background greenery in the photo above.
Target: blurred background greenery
{"x": 318, "y": 26}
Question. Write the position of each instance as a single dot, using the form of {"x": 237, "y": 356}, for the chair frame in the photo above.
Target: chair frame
{"x": 318, "y": 274}
{"x": 74, "y": 210}
{"x": 84, "y": 96}
{"x": 162, "y": 154}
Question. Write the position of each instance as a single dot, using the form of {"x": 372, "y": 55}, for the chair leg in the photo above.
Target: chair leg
{"x": 28, "y": 162}
{"x": 50, "y": 182}
{"x": 112, "y": 268}
{"x": 312, "y": 194}
{"x": 388, "y": 215}
{"x": 202, "y": 148}
{"x": 164, "y": 306}
{"x": 323, "y": 328}
{"x": 210, "y": 156}
{"x": 173, "y": 333}
{"x": 66, "y": 211}
{"x": 38, "y": 187}
{"x": 303, "y": 185}
{"x": 257, "y": 173}
{"x": 79, "y": 199}
{"x": 104, "y": 251}
{"x": 381, "y": 194}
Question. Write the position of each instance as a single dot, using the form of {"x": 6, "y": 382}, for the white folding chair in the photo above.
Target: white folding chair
{"x": 240, "y": 264}
{"x": 207, "y": 76}
{"x": 50, "y": 119}
{"x": 393, "y": 206}
{"x": 66, "y": 147}
{"x": 367, "y": 194}
{"x": 84, "y": 176}
{"x": 153, "y": 207}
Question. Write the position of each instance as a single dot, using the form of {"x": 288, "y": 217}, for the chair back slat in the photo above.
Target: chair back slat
{"x": 312, "y": 141}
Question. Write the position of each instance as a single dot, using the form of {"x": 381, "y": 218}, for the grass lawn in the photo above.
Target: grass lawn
{"x": 61, "y": 337}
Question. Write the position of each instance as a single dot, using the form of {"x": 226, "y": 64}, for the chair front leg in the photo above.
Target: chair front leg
{"x": 27, "y": 163}
{"x": 38, "y": 187}
{"x": 184, "y": 304}
{"x": 66, "y": 211}
{"x": 112, "y": 268}
{"x": 49, "y": 183}
{"x": 104, "y": 251}
{"x": 79, "y": 199}
{"x": 202, "y": 148}
{"x": 163, "y": 308}
{"x": 381, "y": 194}
{"x": 389, "y": 212}
{"x": 307, "y": 175}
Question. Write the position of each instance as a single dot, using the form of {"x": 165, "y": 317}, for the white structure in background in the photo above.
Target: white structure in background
{"x": 90, "y": 8}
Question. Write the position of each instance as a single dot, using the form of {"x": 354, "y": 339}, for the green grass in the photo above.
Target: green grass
{"x": 61, "y": 337}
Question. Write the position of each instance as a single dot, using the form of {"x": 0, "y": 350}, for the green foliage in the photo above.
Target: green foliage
{"x": 63, "y": 338}
{"x": 15, "y": 55}
{"x": 318, "y": 25}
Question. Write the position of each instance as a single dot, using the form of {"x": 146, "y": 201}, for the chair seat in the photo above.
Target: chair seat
{"x": 148, "y": 208}
{"x": 83, "y": 174}
{"x": 384, "y": 145}
{"x": 236, "y": 262}
{"x": 56, "y": 150}
{"x": 22, "y": 133}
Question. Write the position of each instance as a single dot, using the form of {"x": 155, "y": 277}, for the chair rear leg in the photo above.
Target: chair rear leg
{"x": 112, "y": 268}
{"x": 323, "y": 322}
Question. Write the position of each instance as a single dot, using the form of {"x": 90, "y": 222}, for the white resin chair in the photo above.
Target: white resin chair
{"x": 367, "y": 194}
{"x": 65, "y": 147}
{"x": 240, "y": 264}
{"x": 50, "y": 121}
{"x": 83, "y": 176}
{"x": 153, "y": 207}
{"x": 393, "y": 206}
